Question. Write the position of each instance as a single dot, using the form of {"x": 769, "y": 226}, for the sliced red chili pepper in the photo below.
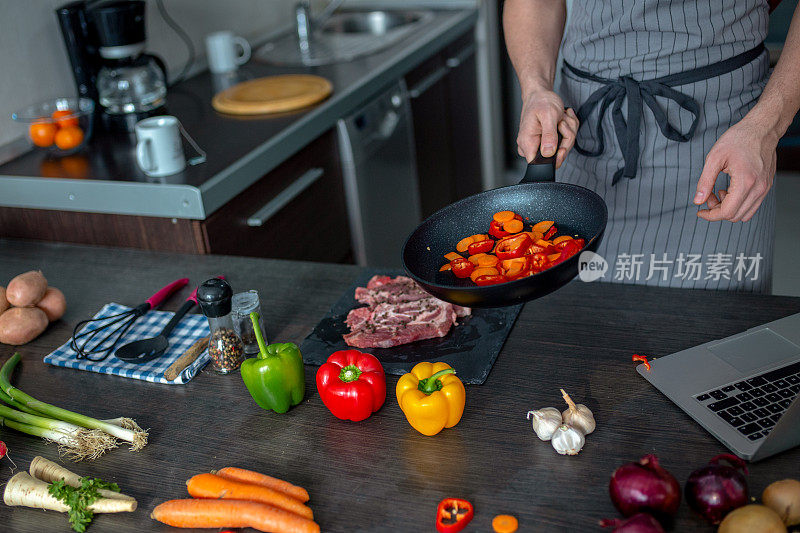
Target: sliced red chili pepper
{"x": 490, "y": 279}
{"x": 513, "y": 247}
{"x": 549, "y": 234}
{"x": 481, "y": 247}
{"x": 462, "y": 267}
{"x": 453, "y": 515}
{"x": 496, "y": 230}
{"x": 643, "y": 359}
{"x": 539, "y": 262}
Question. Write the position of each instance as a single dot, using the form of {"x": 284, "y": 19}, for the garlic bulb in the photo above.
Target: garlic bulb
{"x": 545, "y": 421}
{"x": 567, "y": 440}
{"x": 578, "y": 416}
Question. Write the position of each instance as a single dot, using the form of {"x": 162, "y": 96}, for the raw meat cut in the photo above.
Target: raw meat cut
{"x": 398, "y": 312}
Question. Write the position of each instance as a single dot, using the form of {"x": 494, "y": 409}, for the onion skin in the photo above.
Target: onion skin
{"x": 783, "y": 497}
{"x": 645, "y": 487}
{"x": 638, "y": 523}
{"x": 716, "y": 489}
{"x": 753, "y": 518}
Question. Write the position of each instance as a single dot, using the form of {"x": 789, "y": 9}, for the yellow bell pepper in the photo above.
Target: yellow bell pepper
{"x": 431, "y": 397}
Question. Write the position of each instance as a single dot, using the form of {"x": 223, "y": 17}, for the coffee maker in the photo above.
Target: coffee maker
{"x": 105, "y": 42}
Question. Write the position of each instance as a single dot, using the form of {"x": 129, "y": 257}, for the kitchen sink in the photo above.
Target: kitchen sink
{"x": 373, "y": 22}
{"x": 345, "y": 36}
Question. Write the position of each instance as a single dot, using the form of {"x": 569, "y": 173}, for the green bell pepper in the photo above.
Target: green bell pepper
{"x": 276, "y": 377}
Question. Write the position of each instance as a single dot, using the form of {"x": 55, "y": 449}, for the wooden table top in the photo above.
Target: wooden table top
{"x": 380, "y": 474}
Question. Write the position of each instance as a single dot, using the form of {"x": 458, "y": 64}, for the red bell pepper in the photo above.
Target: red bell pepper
{"x": 490, "y": 279}
{"x": 453, "y": 515}
{"x": 352, "y": 384}
{"x": 513, "y": 247}
{"x": 462, "y": 267}
{"x": 481, "y": 247}
{"x": 496, "y": 230}
{"x": 539, "y": 262}
{"x": 568, "y": 249}
{"x": 549, "y": 233}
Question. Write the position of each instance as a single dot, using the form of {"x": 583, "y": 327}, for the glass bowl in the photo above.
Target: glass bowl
{"x": 58, "y": 130}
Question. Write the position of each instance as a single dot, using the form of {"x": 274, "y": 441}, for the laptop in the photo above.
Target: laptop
{"x": 743, "y": 389}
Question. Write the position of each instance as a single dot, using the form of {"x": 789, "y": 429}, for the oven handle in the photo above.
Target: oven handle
{"x": 271, "y": 208}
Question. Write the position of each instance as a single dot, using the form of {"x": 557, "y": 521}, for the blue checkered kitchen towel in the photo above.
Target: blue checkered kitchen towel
{"x": 191, "y": 328}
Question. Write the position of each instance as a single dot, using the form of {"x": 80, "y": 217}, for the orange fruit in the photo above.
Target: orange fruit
{"x": 69, "y": 137}
{"x": 42, "y": 133}
{"x": 64, "y": 122}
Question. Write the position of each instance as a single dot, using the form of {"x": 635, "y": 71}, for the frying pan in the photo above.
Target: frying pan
{"x": 576, "y": 211}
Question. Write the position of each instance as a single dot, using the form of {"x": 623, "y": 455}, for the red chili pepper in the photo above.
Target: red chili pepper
{"x": 490, "y": 279}
{"x": 352, "y": 385}
{"x": 513, "y": 247}
{"x": 549, "y": 234}
{"x": 462, "y": 267}
{"x": 480, "y": 247}
{"x": 496, "y": 230}
{"x": 453, "y": 515}
{"x": 643, "y": 359}
{"x": 539, "y": 262}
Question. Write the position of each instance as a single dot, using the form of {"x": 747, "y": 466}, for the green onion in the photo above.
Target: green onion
{"x": 137, "y": 436}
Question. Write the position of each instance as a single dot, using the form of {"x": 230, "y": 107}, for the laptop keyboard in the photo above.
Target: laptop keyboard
{"x": 753, "y": 406}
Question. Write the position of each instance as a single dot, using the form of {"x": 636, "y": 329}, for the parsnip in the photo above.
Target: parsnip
{"x": 23, "y": 490}
{"x": 48, "y": 471}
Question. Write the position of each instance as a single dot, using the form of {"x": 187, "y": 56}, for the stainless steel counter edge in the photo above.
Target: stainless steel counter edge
{"x": 185, "y": 201}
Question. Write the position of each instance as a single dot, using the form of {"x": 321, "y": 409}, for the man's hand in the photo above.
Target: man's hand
{"x": 746, "y": 152}
{"x": 543, "y": 117}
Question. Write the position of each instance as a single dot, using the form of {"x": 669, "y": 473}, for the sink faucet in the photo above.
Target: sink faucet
{"x": 302, "y": 13}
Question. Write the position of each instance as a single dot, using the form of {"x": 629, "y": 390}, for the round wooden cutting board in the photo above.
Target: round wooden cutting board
{"x": 273, "y": 94}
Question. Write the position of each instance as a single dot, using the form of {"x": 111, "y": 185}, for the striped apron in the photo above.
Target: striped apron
{"x": 615, "y": 52}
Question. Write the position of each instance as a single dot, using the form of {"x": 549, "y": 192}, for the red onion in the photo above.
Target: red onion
{"x": 645, "y": 487}
{"x": 715, "y": 490}
{"x": 638, "y": 523}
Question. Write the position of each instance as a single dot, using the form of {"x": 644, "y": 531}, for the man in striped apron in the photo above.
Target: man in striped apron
{"x": 673, "y": 112}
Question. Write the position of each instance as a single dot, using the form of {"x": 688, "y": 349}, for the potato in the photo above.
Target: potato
{"x": 753, "y": 518}
{"x": 53, "y": 304}
{"x": 20, "y": 325}
{"x": 3, "y": 302}
{"x": 783, "y": 497}
{"x": 26, "y": 289}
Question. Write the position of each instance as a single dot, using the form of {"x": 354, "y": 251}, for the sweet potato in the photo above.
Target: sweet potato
{"x": 20, "y": 325}
{"x": 3, "y": 302}
{"x": 53, "y": 304}
{"x": 26, "y": 290}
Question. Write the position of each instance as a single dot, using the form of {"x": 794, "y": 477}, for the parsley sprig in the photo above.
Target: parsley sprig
{"x": 79, "y": 499}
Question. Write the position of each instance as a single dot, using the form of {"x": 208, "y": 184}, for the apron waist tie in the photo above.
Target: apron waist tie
{"x": 645, "y": 92}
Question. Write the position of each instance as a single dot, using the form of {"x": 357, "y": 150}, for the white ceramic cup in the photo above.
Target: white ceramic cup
{"x": 159, "y": 151}
{"x": 222, "y": 53}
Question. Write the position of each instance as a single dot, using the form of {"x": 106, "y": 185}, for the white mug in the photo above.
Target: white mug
{"x": 159, "y": 150}
{"x": 222, "y": 53}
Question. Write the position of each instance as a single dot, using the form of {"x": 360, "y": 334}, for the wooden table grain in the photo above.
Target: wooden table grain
{"x": 380, "y": 474}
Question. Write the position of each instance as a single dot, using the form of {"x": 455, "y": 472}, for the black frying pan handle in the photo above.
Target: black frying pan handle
{"x": 541, "y": 168}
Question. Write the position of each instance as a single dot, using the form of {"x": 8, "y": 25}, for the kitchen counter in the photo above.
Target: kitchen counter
{"x": 105, "y": 179}
{"x": 380, "y": 474}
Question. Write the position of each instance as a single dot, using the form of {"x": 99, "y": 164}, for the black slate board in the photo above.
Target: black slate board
{"x": 471, "y": 347}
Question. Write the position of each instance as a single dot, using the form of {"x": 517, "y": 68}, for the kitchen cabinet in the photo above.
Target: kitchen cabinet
{"x": 296, "y": 211}
{"x": 444, "y": 104}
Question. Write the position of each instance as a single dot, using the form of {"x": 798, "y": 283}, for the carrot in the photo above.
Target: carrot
{"x": 504, "y": 523}
{"x": 553, "y": 257}
{"x": 452, "y": 255}
{"x": 543, "y": 226}
{"x": 463, "y": 244}
{"x": 483, "y": 271}
{"x": 248, "y": 476}
{"x": 513, "y": 226}
{"x": 562, "y": 239}
{"x": 214, "y": 486}
{"x": 484, "y": 260}
{"x": 231, "y": 513}
{"x": 503, "y": 216}
{"x": 446, "y": 266}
